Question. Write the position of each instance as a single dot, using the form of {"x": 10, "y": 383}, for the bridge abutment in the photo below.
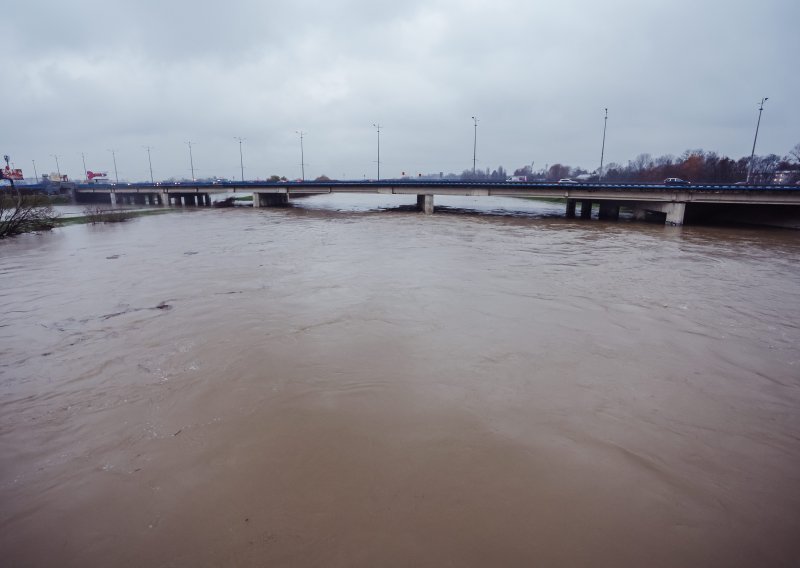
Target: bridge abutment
{"x": 425, "y": 204}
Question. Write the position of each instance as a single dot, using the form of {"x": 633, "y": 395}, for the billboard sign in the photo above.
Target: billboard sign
{"x": 8, "y": 173}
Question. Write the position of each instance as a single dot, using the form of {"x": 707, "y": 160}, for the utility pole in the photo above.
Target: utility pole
{"x": 378, "y": 126}
{"x": 191, "y": 161}
{"x": 603, "y": 149}
{"x": 241, "y": 160}
{"x": 83, "y": 157}
{"x": 752, "y": 154}
{"x": 114, "y": 157}
{"x": 302, "y": 156}
{"x": 149, "y": 161}
{"x": 474, "y": 146}
{"x": 35, "y": 173}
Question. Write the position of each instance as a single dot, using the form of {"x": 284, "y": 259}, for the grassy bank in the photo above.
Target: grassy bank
{"x": 107, "y": 216}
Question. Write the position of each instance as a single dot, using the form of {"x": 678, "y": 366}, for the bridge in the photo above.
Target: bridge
{"x": 672, "y": 203}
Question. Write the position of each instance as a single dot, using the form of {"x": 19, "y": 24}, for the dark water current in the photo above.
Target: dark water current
{"x": 336, "y": 384}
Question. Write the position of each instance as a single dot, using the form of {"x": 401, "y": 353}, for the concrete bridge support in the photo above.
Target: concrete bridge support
{"x": 113, "y": 197}
{"x": 609, "y": 211}
{"x": 675, "y": 213}
{"x": 586, "y": 209}
{"x": 571, "y": 208}
{"x": 425, "y": 204}
{"x": 270, "y": 199}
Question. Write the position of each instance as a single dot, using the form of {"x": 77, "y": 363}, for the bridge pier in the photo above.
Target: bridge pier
{"x": 425, "y": 204}
{"x": 270, "y": 199}
{"x": 675, "y": 213}
{"x": 586, "y": 209}
{"x": 113, "y": 197}
{"x": 571, "y": 208}
{"x": 609, "y": 211}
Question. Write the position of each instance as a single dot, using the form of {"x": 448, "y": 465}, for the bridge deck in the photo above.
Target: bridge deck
{"x": 695, "y": 193}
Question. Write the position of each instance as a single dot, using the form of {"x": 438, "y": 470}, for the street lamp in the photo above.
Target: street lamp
{"x": 83, "y": 157}
{"x": 474, "y": 146}
{"x": 603, "y": 149}
{"x": 149, "y": 161}
{"x": 191, "y": 161}
{"x": 378, "y": 127}
{"x": 114, "y": 157}
{"x": 241, "y": 160}
{"x": 58, "y": 169}
{"x": 302, "y": 156}
{"x": 35, "y": 173}
{"x": 750, "y": 166}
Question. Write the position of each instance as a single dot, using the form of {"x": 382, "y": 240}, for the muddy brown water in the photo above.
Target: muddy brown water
{"x": 339, "y": 385}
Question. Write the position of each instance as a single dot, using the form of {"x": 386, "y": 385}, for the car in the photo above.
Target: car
{"x": 675, "y": 181}
{"x": 567, "y": 180}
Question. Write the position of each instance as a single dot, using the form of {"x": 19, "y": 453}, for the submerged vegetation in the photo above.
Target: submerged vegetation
{"x": 25, "y": 213}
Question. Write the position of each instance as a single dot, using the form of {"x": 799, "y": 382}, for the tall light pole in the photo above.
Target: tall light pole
{"x": 241, "y": 159}
{"x": 302, "y": 156}
{"x": 149, "y": 161}
{"x": 114, "y": 157}
{"x": 191, "y": 161}
{"x": 752, "y": 154}
{"x": 378, "y": 127}
{"x": 83, "y": 157}
{"x": 603, "y": 149}
{"x": 474, "y": 146}
{"x": 35, "y": 173}
{"x": 58, "y": 169}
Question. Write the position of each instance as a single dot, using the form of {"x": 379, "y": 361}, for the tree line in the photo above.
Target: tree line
{"x": 698, "y": 166}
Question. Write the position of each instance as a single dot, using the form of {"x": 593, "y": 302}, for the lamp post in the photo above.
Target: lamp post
{"x": 114, "y": 157}
{"x": 35, "y": 173}
{"x": 302, "y": 156}
{"x": 58, "y": 169}
{"x": 603, "y": 148}
{"x": 752, "y": 154}
{"x": 191, "y": 160}
{"x": 13, "y": 187}
{"x": 474, "y": 146}
{"x": 150, "y": 162}
{"x": 378, "y": 127}
{"x": 83, "y": 157}
{"x": 241, "y": 159}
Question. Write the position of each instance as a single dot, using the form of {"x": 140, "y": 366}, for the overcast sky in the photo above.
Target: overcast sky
{"x": 93, "y": 75}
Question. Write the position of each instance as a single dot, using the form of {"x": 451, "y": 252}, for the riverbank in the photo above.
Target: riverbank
{"x": 108, "y": 216}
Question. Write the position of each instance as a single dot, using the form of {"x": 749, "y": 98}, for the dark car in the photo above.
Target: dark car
{"x": 675, "y": 181}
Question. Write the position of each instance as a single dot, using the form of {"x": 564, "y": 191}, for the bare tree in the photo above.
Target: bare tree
{"x": 22, "y": 213}
{"x": 795, "y": 152}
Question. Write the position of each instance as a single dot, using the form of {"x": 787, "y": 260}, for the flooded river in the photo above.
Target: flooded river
{"x": 344, "y": 384}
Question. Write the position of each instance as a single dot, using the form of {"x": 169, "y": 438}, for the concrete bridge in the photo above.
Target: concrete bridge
{"x": 674, "y": 204}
